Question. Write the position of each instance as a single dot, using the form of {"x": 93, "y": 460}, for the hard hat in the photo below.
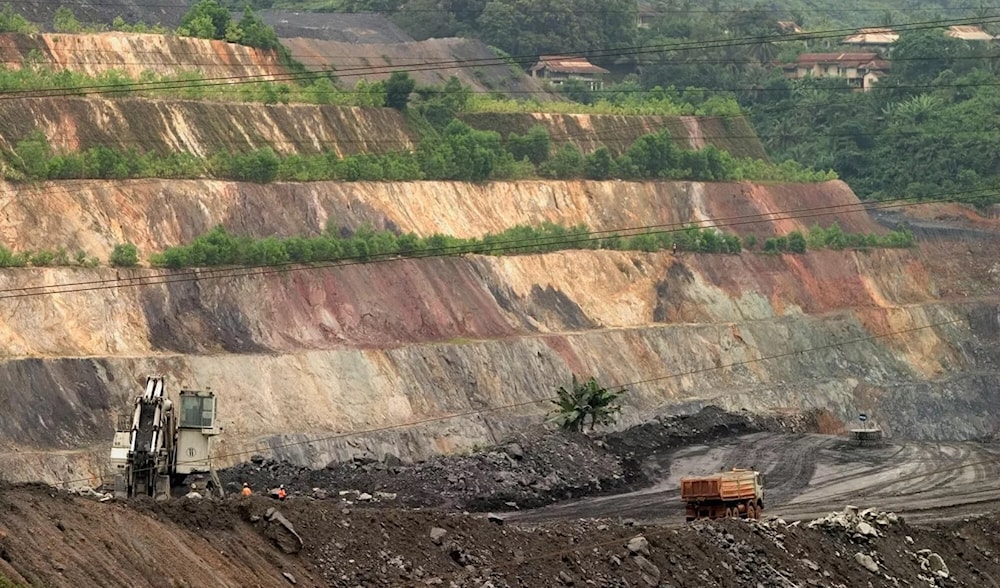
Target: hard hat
{"x": 282, "y": 486}
{"x": 244, "y": 484}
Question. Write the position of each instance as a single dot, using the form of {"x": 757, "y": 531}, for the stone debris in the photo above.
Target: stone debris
{"x": 863, "y": 525}
{"x": 280, "y": 530}
{"x": 531, "y": 468}
{"x": 91, "y": 493}
{"x": 933, "y": 565}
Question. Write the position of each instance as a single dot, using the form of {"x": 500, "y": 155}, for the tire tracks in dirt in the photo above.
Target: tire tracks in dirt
{"x": 808, "y": 475}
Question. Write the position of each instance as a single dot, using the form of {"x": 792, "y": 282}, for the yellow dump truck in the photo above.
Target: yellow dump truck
{"x": 736, "y": 493}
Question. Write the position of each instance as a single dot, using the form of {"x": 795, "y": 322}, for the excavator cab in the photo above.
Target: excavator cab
{"x": 195, "y": 430}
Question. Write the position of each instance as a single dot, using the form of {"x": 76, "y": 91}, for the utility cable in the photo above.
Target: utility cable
{"x": 611, "y": 52}
{"x": 402, "y": 64}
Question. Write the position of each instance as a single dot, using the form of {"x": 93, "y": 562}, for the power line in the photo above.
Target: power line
{"x": 114, "y": 58}
{"x": 610, "y": 52}
{"x": 228, "y": 272}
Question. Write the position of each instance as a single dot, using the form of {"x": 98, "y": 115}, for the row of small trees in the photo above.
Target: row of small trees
{"x": 123, "y": 255}
{"x": 459, "y": 153}
{"x": 833, "y": 237}
{"x": 219, "y": 247}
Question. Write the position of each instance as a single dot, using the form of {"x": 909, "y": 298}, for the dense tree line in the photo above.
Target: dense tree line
{"x": 210, "y": 20}
{"x": 928, "y": 129}
{"x": 457, "y": 152}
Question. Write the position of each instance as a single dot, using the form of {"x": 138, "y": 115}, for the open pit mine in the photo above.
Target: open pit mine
{"x": 403, "y": 404}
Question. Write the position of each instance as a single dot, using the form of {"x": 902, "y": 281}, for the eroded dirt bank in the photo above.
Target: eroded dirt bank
{"x": 226, "y": 545}
{"x": 155, "y": 214}
{"x": 135, "y": 53}
{"x": 201, "y": 128}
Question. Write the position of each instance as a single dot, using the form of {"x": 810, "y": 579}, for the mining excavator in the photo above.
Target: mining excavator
{"x": 158, "y": 452}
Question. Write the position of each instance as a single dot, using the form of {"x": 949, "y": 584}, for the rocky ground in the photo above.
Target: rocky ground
{"x": 387, "y": 523}
{"x": 535, "y": 468}
{"x": 389, "y": 547}
{"x": 260, "y": 542}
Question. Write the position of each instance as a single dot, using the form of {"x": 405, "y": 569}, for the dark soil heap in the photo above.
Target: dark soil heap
{"x": 532, "y": 469}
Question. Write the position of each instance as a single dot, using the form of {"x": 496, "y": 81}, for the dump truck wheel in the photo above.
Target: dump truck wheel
{"x": 750, "y": 510}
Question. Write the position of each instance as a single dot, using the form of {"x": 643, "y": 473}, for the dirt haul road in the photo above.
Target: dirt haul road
{"x": 809, "y": 475}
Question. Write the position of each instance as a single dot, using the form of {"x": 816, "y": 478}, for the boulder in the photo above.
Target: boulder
{"x": 866, "y": 561}
{"x": 514, "y": 450}
{"x": 937, "y": 565}
{"x": 281, "y": 531}
{"x": 638, "y": 545}
{"x": 437, "y": 535}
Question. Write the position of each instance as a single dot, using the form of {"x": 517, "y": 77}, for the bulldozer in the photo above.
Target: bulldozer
{"x": 160, "y": 452}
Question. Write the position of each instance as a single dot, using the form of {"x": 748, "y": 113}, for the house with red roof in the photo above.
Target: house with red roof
{"x": 557, "y": 69}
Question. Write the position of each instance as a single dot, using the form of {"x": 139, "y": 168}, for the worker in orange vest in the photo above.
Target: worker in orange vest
{"x": 246, "y": 490}
{"x": 281, "y": 492}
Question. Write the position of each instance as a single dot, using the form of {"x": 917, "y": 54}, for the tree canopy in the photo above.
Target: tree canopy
{"x": 210, "y": 20}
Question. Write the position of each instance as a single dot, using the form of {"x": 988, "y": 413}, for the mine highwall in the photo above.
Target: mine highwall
{"x": 66, "y": 312}
{"x": 300, "y": 406}
{"x": 95, "y": 215}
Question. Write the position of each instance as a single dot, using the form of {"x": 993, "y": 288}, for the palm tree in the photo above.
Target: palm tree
{"x": 583, "y": 400}
{"x": 916, "y": 110}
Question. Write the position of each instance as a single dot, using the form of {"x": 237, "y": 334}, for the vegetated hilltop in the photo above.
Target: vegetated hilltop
{"x": 43, "y": 12}
{"x": 136, "y": 53}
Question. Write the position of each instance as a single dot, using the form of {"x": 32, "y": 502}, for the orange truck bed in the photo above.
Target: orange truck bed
{"x": 726, "y": 486}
